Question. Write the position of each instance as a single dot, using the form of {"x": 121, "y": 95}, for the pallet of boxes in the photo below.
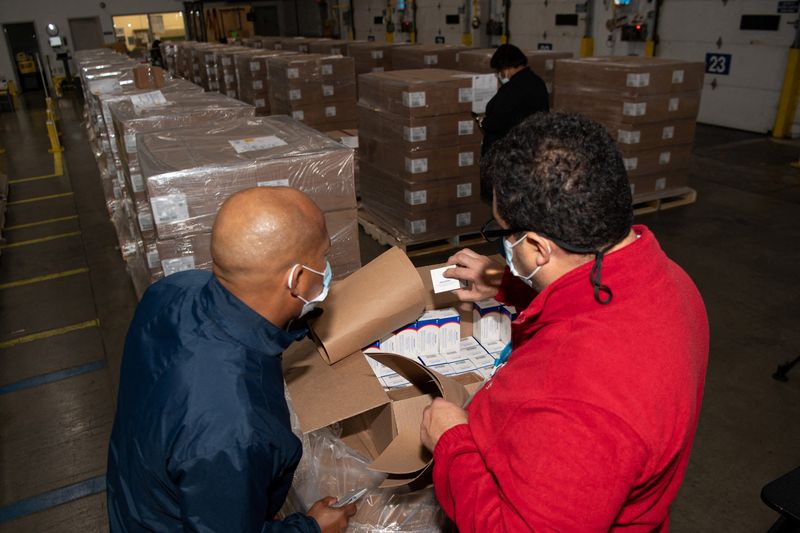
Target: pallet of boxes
{"x": 419, "y": 150}
{"x": 650, "y": 106}
{"x": 357, "y": 391}
{"x": 252, "y": 77}
{"x": 189, "y": 172}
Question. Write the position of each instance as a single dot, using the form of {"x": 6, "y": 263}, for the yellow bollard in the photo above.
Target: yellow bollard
{"x": 649, "y": 49}
{"x": 466, "y": 39}
{"x": 587, "y": 47}
{"x": 787, "y": 105}
{"x": 55, "y": 143}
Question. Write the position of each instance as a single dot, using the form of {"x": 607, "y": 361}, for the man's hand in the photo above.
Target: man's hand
{"x": 481, "y": 273}
{"x": 437, "y": 418}
{"x": 331, "y": 520}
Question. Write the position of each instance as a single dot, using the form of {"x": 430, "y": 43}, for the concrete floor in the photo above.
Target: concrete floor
{"x": 738, "y": 242}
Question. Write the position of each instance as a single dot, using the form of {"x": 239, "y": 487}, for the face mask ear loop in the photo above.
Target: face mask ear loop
{"x": 291, "y": 276}
{"x": 602, "y": 293}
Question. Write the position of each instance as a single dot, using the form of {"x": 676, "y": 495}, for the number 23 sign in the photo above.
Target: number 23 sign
{"x": 719, "y": 64}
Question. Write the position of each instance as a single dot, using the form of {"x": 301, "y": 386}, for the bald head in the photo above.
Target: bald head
{"x": 260, "y": 232}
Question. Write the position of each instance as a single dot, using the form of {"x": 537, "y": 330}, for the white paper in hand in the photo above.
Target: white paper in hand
{"x": 443, "y": 284}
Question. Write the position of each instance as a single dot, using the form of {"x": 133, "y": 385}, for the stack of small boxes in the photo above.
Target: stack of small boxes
{"x": 252, "y": 77}
{"x": 371, "y": 56}
{"x": 226, "y": 70}
{"x": 315, "y": 89}
{"x": 419, "y": 150}
{"x": 649, "y": 105}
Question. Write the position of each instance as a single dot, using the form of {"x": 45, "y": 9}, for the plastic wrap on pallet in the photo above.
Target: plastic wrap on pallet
{"x": 190, "y": 172}
{"x": 416, "y": 56}
{"x": 194, "y": 251}
{"x": 635, "y": 110}
{"x": 419, "y": 93}
{"x": 301, "y": 44}
{"x": 252, "y": 77}
{"x": 408, "y": 226}
{"x": 226, "y": 70}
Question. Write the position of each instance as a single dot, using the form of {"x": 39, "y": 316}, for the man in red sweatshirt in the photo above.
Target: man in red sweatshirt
{"x": 588, "y": 424}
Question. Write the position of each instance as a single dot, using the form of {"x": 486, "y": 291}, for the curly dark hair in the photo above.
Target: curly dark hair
{"x": 508, "y": 56}
{"x": 561, "y": 175}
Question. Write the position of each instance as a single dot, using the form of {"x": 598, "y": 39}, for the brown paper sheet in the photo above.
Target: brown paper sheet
{"x": 379, "y": 298}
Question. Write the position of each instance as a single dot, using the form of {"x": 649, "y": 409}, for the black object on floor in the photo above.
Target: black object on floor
{"x": 783, "y": 495}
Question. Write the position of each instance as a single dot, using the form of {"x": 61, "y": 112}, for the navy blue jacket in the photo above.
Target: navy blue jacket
{"x": 202, "y": 439}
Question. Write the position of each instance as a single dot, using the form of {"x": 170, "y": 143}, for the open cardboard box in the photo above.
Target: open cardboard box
{"x": 328, "y": 388}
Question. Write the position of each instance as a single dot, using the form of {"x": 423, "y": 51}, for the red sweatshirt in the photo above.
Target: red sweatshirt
{"x": 589, "y": 425}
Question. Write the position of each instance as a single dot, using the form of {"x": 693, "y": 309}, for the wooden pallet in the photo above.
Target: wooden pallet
{"x": 651, "y": 203}
{"x": 414, "y": 247}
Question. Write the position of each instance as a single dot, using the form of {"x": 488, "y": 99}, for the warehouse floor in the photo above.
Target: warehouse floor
{"x": 65, "y": 301}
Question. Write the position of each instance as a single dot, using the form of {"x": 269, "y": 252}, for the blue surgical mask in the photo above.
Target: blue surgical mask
{"x": 508, "y": 250}
{"x": 327, "y": 276}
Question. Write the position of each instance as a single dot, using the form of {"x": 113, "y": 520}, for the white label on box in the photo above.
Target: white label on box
{"x": 104, "y": 86}
{"x": 674, "y": 104}
{"x": 377, "y": 54}
{"x": 661, "y": 184}
{"x": 255, "y": 66}
{"x": 631, "y": 163}
{"x": 251, "y": 144}
{"x": 630, "y": 109}
{"x": 677, "y": 76}
{"x": 153, "y": 259}
{"x": 274, "y": 183}
{"x": 377, "y": 69}
{"x": 462, "y": 367}
{"x": 668, "y": 132}
{"x": 350, "y": 142}
{"x": 441, "y": 283}
{"x": 466, "y": 127}
{"x": 417, "y": 166}
{"x": 298, "y": 115}
{"x": 260, "y": 102}
{"x": 463, "y": 190}
{"x": 463, "y": 219}
{"x": 178, "y": 264}
{"x": 664, "y": 158}
{"x": 415, "y": 227}
{"x": 549, "y": 87}
{"x": 464, "y": 95}
{"x": 229, "y": 79}
{"x": 639, "y": 80}
{"x": 145, "y": 221}
{"x": 226, "y": 61}
{"x": 330, "y": 111}
{"x": 629, "y": 137}
{"x": 292, "y": 73}
{"x": 130, "y": 142}
{"x": 147, "y": 100}
{"x": 549, "y": 64}
{"x": 170, "y": 208}
{"x": 258, "y": 84}
{"x": 295, "y": 94}
{"x": 416, "y": 197}
{"x": 137, "y": 182}
{"x": 303, "y": 48}
{"x": 327, "y": 90}
{"x": 336, "y": 51}
{"x": 415, "y": 134}
{"x": 415, "y": 99}
{"x": 633, "y": 189}
{"x": 327, "y": 69}
{"x": 466, "y": 159}
{"x": 430, "y": 59}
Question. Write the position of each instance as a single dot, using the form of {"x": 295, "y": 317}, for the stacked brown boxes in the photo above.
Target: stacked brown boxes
{"x": 315, "y": 89}
{"x": 226, "y": 70}
{"x": 183, "y": 59}
{"x": 371, "y": 56}
{"x": 415, "y": 56}
{"x": 199, "y": 75}
{"x": 419, "y": 152}
{"x": 333, "y": 47}
{"x": 190, "y": 172}
{"x": 650, "y": 107}
{"x": 270, "y": 43}
{"x": 348, "y": 138}
{"x": 542, "y": 62}
{"x": 169, "y": 56}
{"x": 209, "y": 75}
{"x": 252, "y": 77}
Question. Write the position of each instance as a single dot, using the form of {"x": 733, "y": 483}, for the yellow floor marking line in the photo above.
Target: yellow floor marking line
{"x": 49, "y": 333}
{"x": 41, "y": 222}
{"x": 46, "y": 277}
{"x": 40, "y": 198}
{"x": 40, "y": 240}
{"x": 58, "y": 171}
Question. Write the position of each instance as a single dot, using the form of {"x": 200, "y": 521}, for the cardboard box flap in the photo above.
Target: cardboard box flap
{"x": 405, "y": 454}
{"x": 379, "y": 298}
{"x": 323, "y": 394}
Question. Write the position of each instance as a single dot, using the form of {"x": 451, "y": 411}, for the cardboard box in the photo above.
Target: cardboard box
{"x": 665, "y": 160}
{"x": 542, "y": 62}
{"x": 194, "y": 251}
{"x": 148, "y": 77}
{"x": 418, "y": 196}
{"x": 424, "y": 227}
{"x": 417, "y": 93}
{"x": 349, "y": 138}
{"x": 252, "y": 77}
{"x": 427, "y": 163}
{"x": 629, "y": 76}
{"x": 323, "y": 116}
{"x": 655, "y": 135}
{"x": 190, "y": 172}
{"x": 630, "y": 110}
{"x": 371, "y": 56}
{"x": 418, "y": 132}
{"x": 644, "y": 187}
{"x": 330, "y": 47}
{"x": 269, "y": 43}
{"x": 423, "y": 56}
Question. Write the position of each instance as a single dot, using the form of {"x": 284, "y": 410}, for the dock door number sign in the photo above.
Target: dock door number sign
{"x": 719, "y": 64}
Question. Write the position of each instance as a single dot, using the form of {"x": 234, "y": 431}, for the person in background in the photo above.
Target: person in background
{"x": 202, "y": 439}
{"x": 521, "y": 94}
{"x": 588, "y": 420}
{"x": 155, "y": 54}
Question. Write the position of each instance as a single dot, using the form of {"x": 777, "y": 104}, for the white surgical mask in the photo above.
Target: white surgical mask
{"x": 502, "y": 78}
{"x": 327, "y": 275}
{"x": 508, "y": 249}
